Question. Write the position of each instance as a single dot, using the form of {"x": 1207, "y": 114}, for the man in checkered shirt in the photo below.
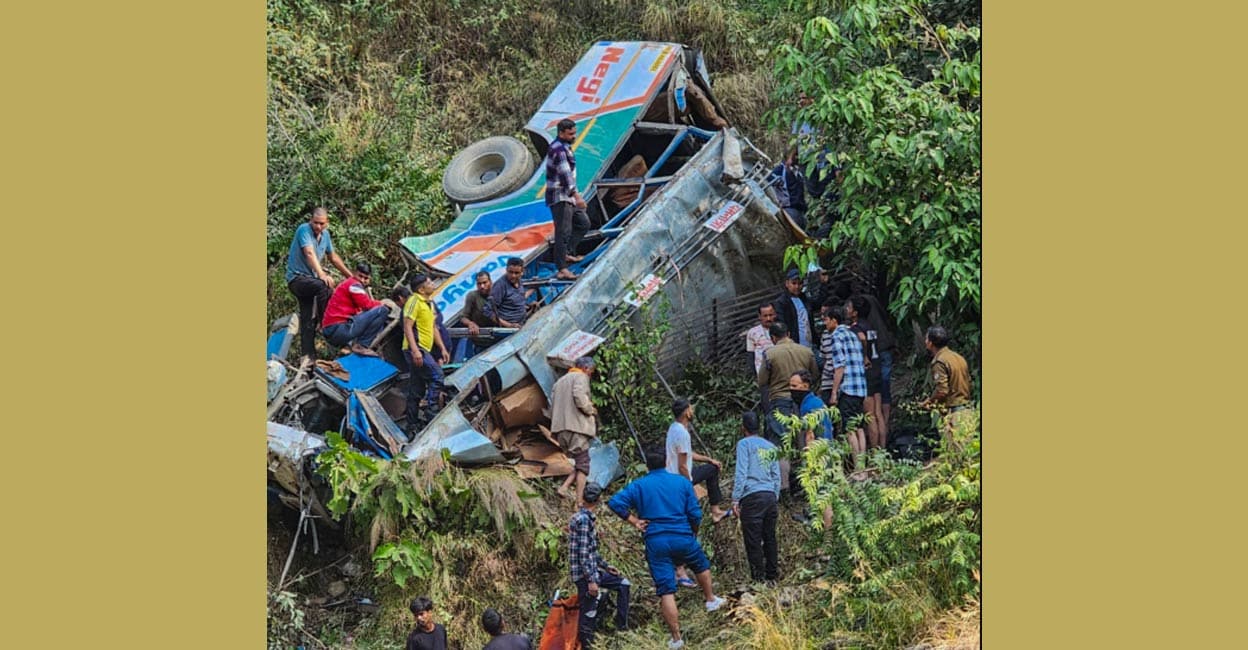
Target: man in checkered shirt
{"x": 567, "y": 206}
{"x": 844, "y": 377}
{"x": 590, "y": 572}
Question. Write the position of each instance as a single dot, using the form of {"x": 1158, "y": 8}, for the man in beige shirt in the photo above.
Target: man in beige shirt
{"x": 572, "y": 421}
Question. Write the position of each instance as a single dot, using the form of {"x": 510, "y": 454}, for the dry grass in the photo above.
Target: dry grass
{"x": 771, "y": 626}
{"x": 500, "y": 490}
{"x": 956, "y": 629}
{"x": 746, "y": 97}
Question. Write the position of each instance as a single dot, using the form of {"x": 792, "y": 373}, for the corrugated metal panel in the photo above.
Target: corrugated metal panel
{"x": 714, "y": 333}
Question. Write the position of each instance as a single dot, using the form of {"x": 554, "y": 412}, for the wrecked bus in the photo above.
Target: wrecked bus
{"x": 678, "y": 204}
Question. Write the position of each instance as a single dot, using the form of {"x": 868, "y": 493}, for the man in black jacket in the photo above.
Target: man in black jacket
{"x": 794, "y": 311}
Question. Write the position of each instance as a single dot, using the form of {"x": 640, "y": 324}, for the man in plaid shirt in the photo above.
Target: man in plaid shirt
{"x": 567, "y": 207}
{"x": 590, "y": 572}
{"x": 844, "y": 376}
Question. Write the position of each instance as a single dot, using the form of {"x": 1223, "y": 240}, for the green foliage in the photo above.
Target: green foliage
{"x": 550, "y": 542}
{"x": 907, "y": 541}
{"x": 347, "y": 470}
{"x": 801, "y": 257}
{"x": 285, "y": 620}
{"x": 719, "y": 399}
{"x": 416, "y": 512}
{"x": 626, "y": 370}
{"x": 896, "y": 101}
{"x": 402, "y": 560}
{"x": 796, "y": 426}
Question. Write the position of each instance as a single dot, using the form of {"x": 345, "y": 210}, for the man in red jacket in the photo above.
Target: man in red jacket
{"x": 352, "y": 316}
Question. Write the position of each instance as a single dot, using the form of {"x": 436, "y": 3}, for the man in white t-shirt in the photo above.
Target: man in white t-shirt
{"x": 680, "y": 458}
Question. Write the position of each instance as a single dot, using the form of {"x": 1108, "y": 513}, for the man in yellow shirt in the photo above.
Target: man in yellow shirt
{"x": 419, "y": 339}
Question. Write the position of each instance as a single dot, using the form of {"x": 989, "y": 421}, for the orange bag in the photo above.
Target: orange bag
{"x": 561, "y": 625}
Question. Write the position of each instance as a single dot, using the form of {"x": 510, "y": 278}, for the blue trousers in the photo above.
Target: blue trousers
{"x": 423, "y": 382}
{"x": 665, "y": 551}
{"x": 361, "y": 328}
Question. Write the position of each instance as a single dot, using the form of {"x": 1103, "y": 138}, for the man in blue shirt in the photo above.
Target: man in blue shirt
{"x": 307, "y": 279}
{"x": 755, "y": 490}
{"x": 668, "y": 513}
{"x": 808, "y": 402}
{"x": 507, "y": 298}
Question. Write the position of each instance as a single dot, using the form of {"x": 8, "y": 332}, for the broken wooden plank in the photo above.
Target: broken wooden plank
{"x": 542, "y": 459}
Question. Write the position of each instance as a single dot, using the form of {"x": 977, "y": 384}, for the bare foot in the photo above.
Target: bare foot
{"x": 565, "y": 275}
{"x": 574, "y": 258}
{"x": 718, "y": 515}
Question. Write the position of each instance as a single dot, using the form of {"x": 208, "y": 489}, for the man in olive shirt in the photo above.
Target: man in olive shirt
{"x": 952, "y": 377}
{"x": 475, "y": 318}
{"x": 780, "y": 362}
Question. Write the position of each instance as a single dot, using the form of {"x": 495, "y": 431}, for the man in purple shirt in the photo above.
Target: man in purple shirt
{"x": 567, "y": 206}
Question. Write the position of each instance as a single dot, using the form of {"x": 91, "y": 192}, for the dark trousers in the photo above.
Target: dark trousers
{"x": 424, "y": 382}
{"x": 312, "y": 294}
{"x": 361, "y": 328}
{"x": 774, "y": 431}
{"x": 758, "y": 528}
{"x": 571, "y": 224}
{"x": 587, "y": 625}
{"x": 708, "y": 475}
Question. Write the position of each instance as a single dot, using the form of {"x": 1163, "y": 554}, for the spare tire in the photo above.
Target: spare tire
{"x": 487, "y": 169}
